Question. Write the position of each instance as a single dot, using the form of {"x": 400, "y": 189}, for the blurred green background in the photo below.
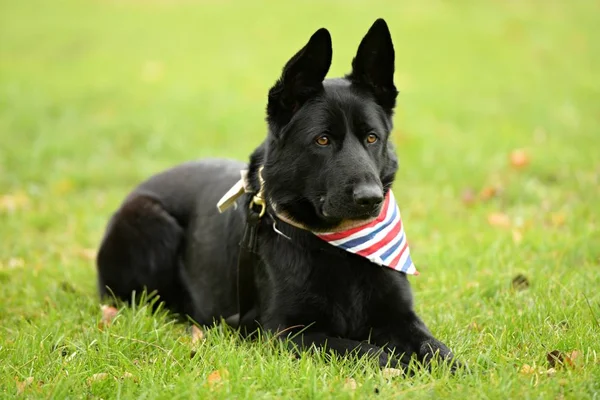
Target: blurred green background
{"x": 97, "y": 95}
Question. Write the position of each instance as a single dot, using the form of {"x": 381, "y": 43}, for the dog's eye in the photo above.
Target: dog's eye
{"x": 372, "y": 138}
{"x": 322, "y": 140}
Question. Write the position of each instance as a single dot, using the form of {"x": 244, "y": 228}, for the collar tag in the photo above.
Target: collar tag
{"x": 238, "y": 189}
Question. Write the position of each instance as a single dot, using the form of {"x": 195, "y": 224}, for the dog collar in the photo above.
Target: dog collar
{"x": 381, "y": 240}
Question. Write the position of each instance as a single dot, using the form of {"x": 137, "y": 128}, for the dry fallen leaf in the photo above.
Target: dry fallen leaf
{"x": 520, "y": 282}
{"x": 216, "y": 377}
{"x": 97, "y": 377}
{"x": 129, "y": 375}
{"x": 527, "y": 369}
{"x": 474, "y": 326}
{"x": 67, "y": 287}
{"x": 574, "y": 357}
{"x": 21, "y": 386}
{"x": 350, "y": 384}
{"x": 488, "y": 192}
{"x": 557, "y": 358}
{"x": 108, "y": 314}
{"x": 500, "y": 220}
{"x": 519, "y": 158}
{"x": 197, "y": 335}
{"x": 389, "y": 373}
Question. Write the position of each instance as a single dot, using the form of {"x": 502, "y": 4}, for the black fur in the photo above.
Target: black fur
{"x": 322, "y": 168}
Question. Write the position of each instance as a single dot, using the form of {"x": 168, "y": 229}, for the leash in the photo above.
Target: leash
{"x": 248, "y": 254}
{"x": 247, "y": 260}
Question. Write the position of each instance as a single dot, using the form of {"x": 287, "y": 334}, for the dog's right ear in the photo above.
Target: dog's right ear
{"x": 301, "y": 79}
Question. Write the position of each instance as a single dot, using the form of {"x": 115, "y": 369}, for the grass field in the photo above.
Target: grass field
{"x": 497, "y": 129}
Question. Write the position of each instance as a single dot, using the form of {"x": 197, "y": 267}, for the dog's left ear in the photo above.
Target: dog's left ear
{"x": 301, "y": 79}
{"x": 373, "y": 66}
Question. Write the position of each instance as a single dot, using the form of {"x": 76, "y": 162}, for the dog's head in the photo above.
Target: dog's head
{"x": 328, "y": 157}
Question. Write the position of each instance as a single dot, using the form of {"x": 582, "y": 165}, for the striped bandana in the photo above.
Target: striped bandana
{"x": 381, "y": 241}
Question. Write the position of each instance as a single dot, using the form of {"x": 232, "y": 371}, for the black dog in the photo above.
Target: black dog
{"x": 326, "y": 163}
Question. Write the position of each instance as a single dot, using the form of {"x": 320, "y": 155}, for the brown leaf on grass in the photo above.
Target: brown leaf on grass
{"x": 21, "y": 386}
{"x": 575, "y": 357}
{"x": 350, "y": 384}
{"x": 67, "y": 287}
{"x": 108, "y": 314}
{"x": 97, "y": 378}
{"x": 555, "y": 358}
{"x": 527, "y": 369}
{"x": 468, "y": 197}
{"x": 563, "y": 325}
{"x": 488, "y": 192}
{"x": 217, "y": 377}
{"x": 499, "y": 220}
{"x": 389, "y": 373}
{"x": 197, "y": 335}
{"x": 519, "y": 158}
{"x": 474, "y": 326}
{"x": 129, "y": 375}
{"x": 558, "y": 359}
{"x": 520, "y": 282}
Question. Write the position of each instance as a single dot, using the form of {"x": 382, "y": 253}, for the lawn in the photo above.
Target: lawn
{"x": 497, "y": 130}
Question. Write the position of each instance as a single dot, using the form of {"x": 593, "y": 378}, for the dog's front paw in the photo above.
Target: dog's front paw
{"x": 433, "y": 349}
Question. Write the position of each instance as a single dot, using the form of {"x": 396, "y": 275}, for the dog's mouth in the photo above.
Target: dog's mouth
{"x": 338, "y": 214}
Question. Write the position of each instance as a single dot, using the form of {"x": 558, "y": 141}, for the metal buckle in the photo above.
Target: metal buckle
{"x": 258, "y": 199}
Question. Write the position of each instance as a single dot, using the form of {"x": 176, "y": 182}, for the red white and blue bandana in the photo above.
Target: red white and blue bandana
{"x": 382, "y": 241}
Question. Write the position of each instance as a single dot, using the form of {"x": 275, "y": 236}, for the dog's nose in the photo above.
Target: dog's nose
{"x": 368, "y": 195}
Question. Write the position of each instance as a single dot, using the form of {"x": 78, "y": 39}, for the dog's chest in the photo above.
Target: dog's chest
{"x": 342, "y": 294}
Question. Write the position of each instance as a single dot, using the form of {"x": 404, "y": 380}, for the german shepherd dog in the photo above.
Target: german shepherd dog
{"x": 327, "y": 162}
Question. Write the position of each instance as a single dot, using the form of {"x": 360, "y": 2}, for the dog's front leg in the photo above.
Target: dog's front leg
{"x": 343, "y": 347}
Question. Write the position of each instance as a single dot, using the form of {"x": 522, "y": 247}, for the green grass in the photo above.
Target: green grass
{"x": 97, "y": 95}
